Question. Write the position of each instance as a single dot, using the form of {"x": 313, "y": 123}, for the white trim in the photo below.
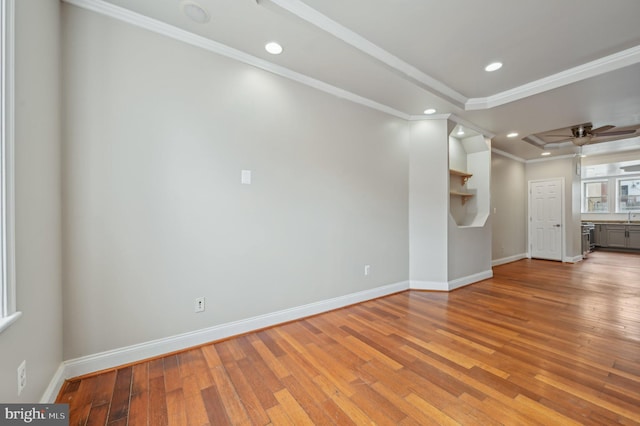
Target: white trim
{"x": 470, "y": 279}
{"x": 456, "y": 119}
{"x": 51, "y": 393}
{"x": 572, "y": 75}
{"x": 509, "y": 259}
{"x": 429, "y": 285}
{"x": 574, "y": 259}
{"x": 409, "y": 72}
{"x": 141, "y": 21}
{"x": 563, "y": 242}
{"x": 450, "y": 285}
{"x": 506, "y": 154}
{"x": 470, "y": 125}
{"x": 113, "y": 358}
{"x": 5, "y": 322}
{"x": 8, "y": 309}
{"x": 550, "y": 158}
{"x": 343, "y": 33}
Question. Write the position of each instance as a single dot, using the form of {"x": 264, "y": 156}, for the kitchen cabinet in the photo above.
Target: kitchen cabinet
{"x": 617, "y": 235}
{"x": 633, "y": 237}
{"x": 599, "y": 235}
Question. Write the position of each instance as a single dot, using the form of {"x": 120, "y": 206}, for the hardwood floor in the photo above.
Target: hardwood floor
{"x": 540, "y": 343}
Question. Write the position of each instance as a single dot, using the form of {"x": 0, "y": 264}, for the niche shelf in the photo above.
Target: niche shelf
{"x": 463, "y": 195}
{"x": 469, "y": 172}
{"x": 464, "y": 176}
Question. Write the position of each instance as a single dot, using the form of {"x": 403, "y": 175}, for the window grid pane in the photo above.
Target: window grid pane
{"x": 595, "y": 197}
{"x": 628, "y": 195}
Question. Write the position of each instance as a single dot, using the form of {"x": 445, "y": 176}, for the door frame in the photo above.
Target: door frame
{"x": 563, "y": 235}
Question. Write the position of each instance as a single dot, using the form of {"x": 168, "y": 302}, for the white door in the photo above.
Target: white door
{"x": 546, "y": 219}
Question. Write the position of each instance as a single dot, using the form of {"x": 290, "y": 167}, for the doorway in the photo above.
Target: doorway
{"x": 546, "y": 219}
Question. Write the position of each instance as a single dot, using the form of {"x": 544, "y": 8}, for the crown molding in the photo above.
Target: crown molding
{"x": 141, "y": 21}
{"x": 471, "y": 126}
{"x": 582, "y": 72}
{"x": 550, "y": 158}
{"x": 408, "y": 71}
{"x": 506, "y": 154}
{"x": 591, "y": 69}
{"x": 296, "y": 7}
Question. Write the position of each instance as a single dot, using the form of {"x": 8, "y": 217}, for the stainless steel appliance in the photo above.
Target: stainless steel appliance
{"x": 588, "y": 243}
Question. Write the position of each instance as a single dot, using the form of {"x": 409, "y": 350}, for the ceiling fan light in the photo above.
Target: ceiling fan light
{"x": 582, "y": 140}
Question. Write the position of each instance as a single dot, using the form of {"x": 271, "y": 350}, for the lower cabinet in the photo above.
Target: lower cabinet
{"x": 633, "y": 237}
{"x": 599, "y": 235}
{"x": 617, "y": 236}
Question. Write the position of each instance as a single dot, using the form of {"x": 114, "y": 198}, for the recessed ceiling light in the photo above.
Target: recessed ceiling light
{"x": 512, "y": 135}
{"x": 494, "y": 66}
{"x": 273, "y": 48}
{"x": 545, "y": 153}
{"x": 430, "y": 111}
{"x": 195, "y": 12}
{"x": 460, "y": 131}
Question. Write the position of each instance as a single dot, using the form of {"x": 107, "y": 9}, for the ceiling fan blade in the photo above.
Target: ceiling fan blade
{"x": 600, "y": 139}
{"x": 602, "y": 129}
{"x": 566, "y": 139}
{"x": 615, "y": 133}
{"x": 557, "y": 136}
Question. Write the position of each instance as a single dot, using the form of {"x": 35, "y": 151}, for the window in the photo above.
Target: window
{"x": 8, "y": 313}
{"x": 594, "y": 197}
{"x": 628, "y": 195}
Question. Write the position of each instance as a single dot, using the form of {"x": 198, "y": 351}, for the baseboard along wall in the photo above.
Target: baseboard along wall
{"x": 135, "y": 353}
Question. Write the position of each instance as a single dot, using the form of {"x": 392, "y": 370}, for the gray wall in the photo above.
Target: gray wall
{"x": 37, "y": 336}
{"x": 508, "y": 207}
{"x": 156, "y": 134}
{"x": 429, "y": 188}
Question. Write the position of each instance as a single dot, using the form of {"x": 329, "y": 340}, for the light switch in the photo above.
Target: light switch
{"x": 245, "y": 177}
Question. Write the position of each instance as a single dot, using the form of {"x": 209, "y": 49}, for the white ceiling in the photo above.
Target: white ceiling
{"x": 566, "y": 62}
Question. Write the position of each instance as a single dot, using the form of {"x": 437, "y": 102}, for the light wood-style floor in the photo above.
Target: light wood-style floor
{"x": 541, "y": 343}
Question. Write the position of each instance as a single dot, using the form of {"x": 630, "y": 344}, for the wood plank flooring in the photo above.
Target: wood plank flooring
{"x": 541, "y": 343}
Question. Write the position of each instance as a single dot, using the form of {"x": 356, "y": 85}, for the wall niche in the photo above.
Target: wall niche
{"x": 469, "y": 177}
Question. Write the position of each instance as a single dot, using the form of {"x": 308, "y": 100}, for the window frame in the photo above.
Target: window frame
{"x": 8, "y": 312}
{"x": 584, "y": 201}
{"x": 618, "y": 181}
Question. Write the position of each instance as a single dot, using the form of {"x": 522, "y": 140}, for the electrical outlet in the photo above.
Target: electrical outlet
{"x": 199, "y": 304}
{"x": 367, "y": 269}
{"x": 22, "y": 376}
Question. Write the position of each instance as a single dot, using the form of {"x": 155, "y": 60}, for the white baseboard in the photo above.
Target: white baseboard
{"x": 50, "y": 394}
{"x": 450, "y": 285}
{"x": 429, "y": 285}
{"x": 509, "y": 259}
{"x": 470, "y": 279}
{"x": 113, "y": 358}
{"x": 574, "y": 259}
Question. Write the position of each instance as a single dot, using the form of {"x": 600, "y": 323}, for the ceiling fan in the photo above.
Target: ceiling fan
{"x": 584, "y": 134}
